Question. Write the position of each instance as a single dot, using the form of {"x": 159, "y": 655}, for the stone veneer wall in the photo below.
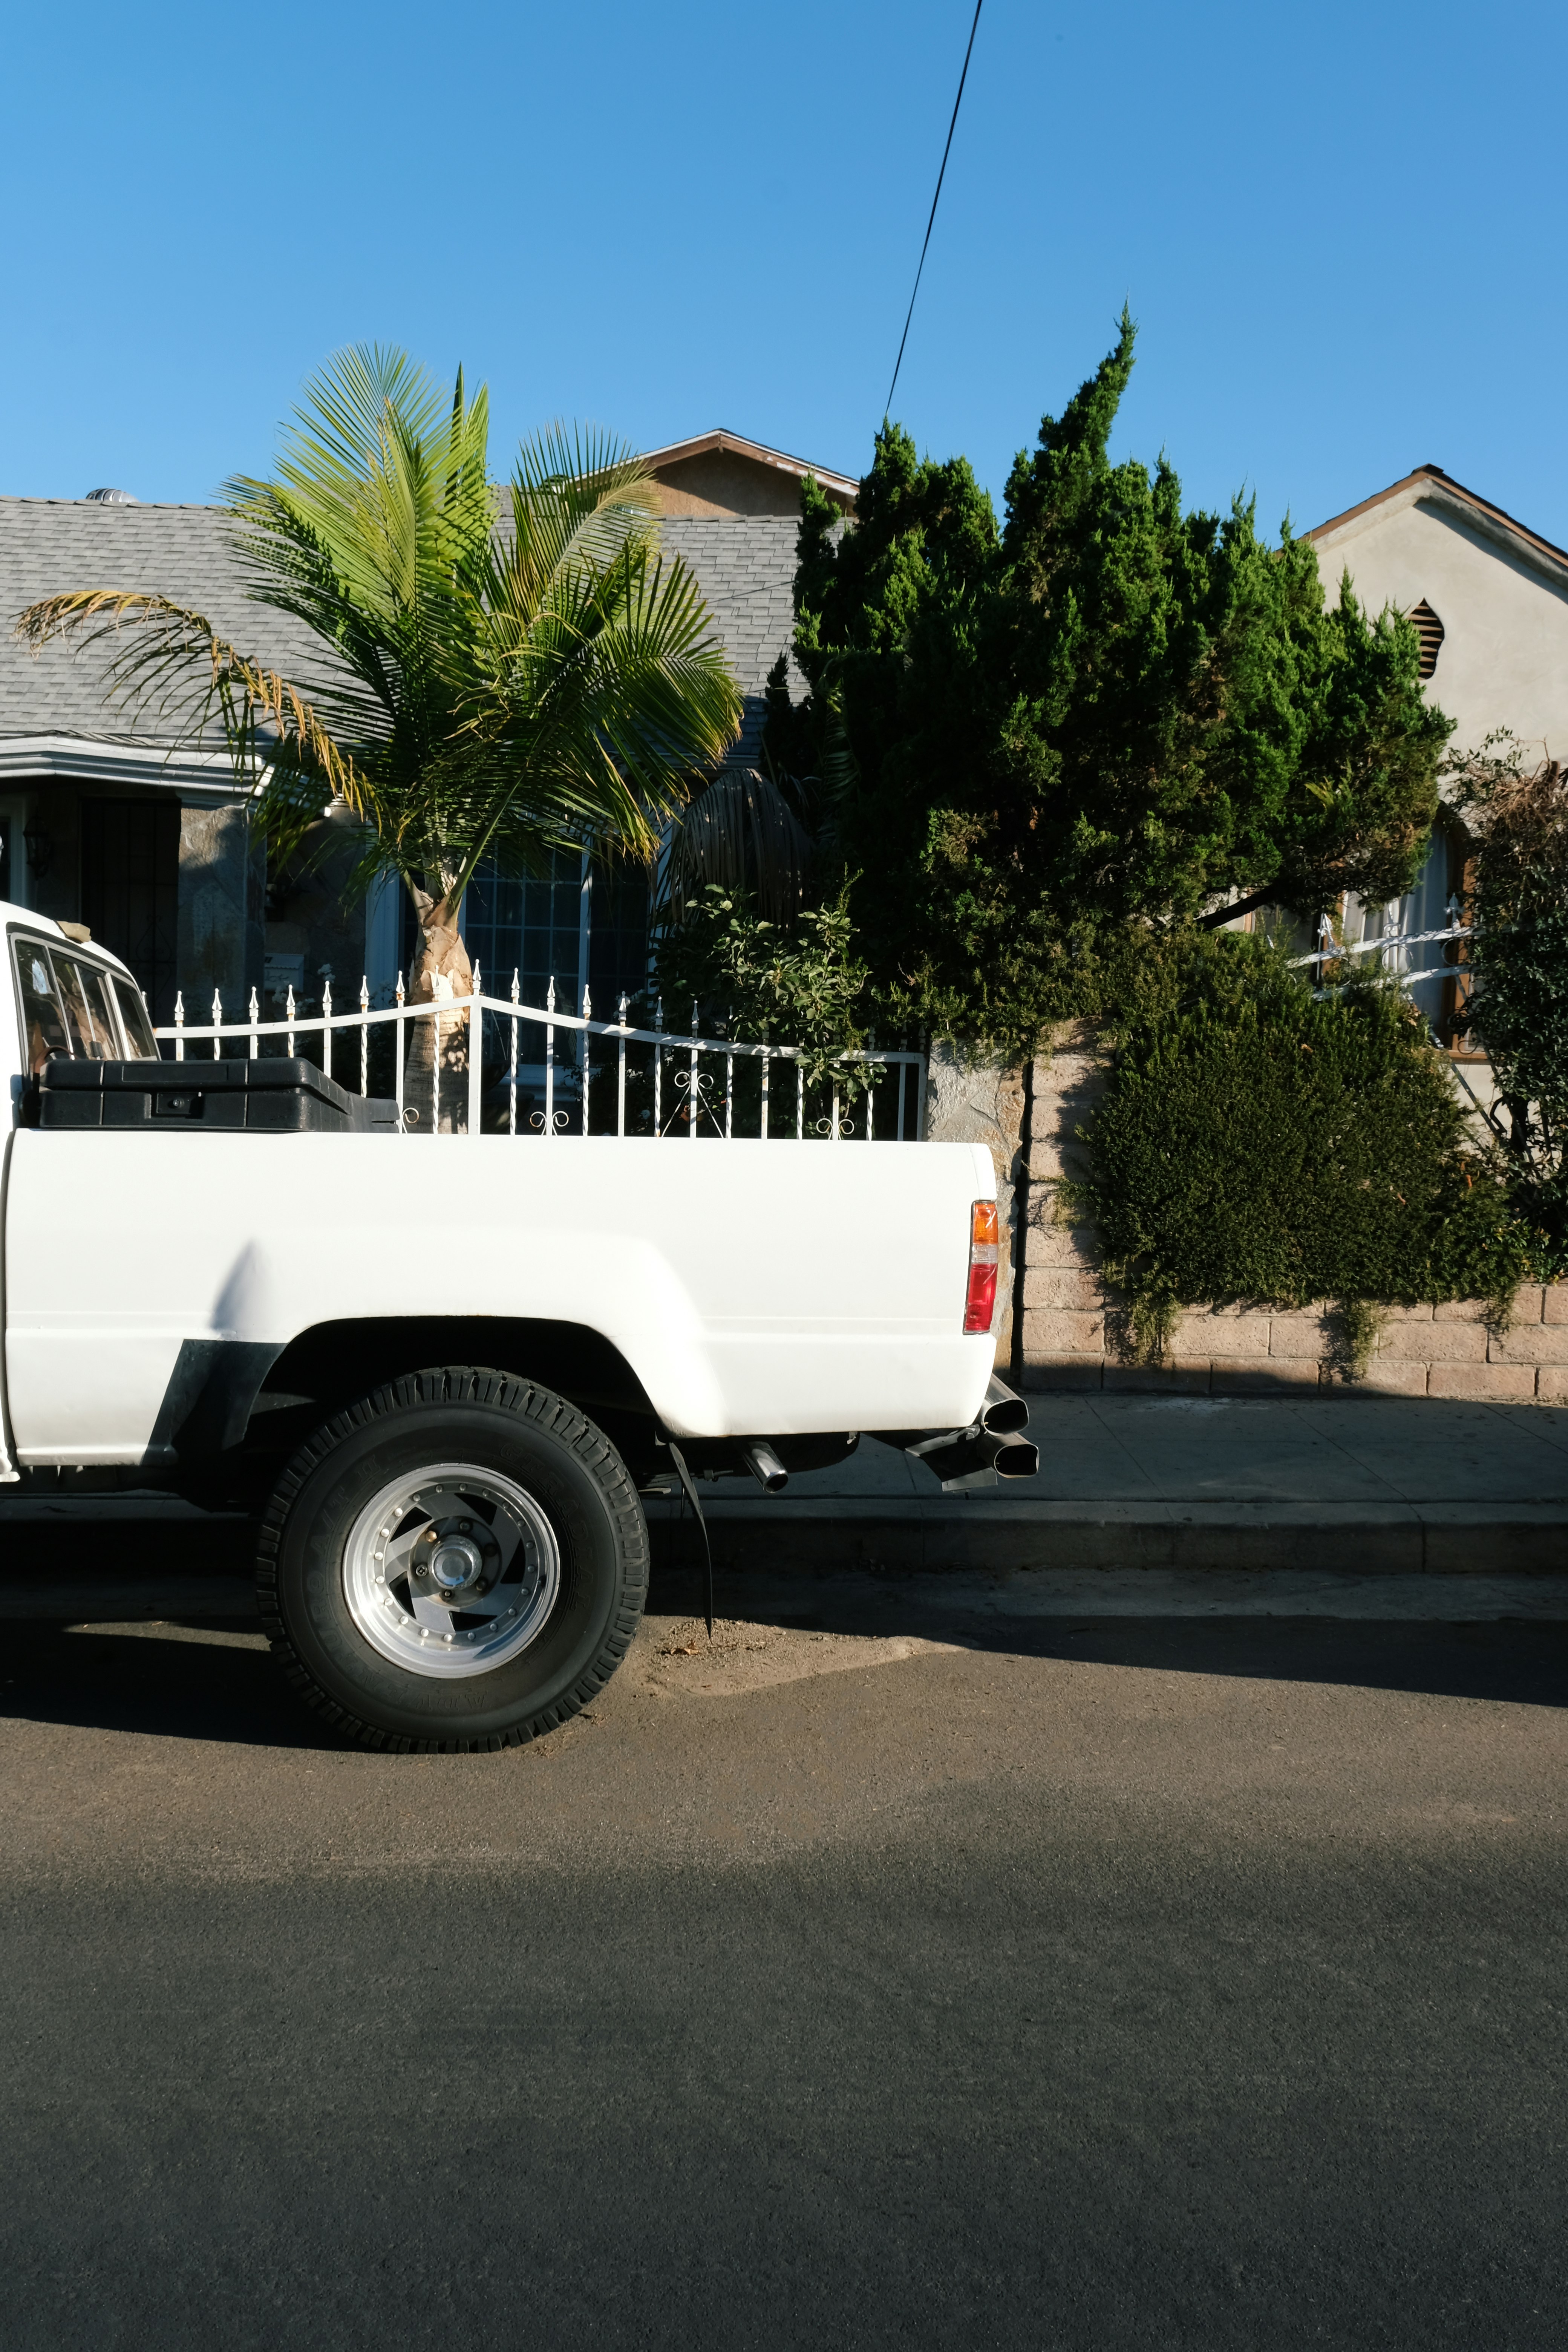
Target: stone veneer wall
{"x": 1072, "y": 1335}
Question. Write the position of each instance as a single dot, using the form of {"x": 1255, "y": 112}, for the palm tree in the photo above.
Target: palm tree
{"x": 500, "y": 676}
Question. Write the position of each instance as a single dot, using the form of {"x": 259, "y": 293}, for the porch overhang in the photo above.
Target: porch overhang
{"x": 205, "y": 778}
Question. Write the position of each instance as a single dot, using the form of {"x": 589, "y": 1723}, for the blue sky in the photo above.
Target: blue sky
{"x": 1338, "y": 228}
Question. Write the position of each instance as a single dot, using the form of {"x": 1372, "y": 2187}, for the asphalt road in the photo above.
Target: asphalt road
{"x": 1197, "y": 1983}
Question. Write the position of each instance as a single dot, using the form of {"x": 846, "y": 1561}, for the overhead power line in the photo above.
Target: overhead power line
{"x": 951, "y": 127}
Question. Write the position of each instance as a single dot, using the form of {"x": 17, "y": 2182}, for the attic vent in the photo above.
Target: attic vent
{"x": 112, "y": 498}
{"x": 1429, "y": 629}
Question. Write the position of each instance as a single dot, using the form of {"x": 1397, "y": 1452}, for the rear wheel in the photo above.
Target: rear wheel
{"x": 457, "y": 1561}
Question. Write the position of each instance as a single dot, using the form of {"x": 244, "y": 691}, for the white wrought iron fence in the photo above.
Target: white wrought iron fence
{"x": 1392, "y": 948}
{"x": 682, "y": 1070}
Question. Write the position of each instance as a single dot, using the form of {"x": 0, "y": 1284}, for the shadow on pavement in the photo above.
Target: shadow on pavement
{"x": 215, "y": 1680}
{"x": 1487, "y": 1658}
{"x": 192, "y": 1681}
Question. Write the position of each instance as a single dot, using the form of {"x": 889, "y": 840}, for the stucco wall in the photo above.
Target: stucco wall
{"x": 722, "y": 482}
{"x": 219, "y": 921}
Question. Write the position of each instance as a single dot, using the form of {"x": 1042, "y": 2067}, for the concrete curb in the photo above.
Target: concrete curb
{"x": 1371, "y": 1538}
{"x": 1336, "y": 1543}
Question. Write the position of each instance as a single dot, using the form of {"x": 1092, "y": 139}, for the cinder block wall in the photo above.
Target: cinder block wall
{"x": 1073, "y": 1336}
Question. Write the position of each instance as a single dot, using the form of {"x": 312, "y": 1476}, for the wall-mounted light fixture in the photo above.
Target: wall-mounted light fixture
{"x": 40, "y": 848}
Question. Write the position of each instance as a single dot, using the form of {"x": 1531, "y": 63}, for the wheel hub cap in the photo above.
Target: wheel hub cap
{"x": 457, "y": 1561}
{"x": 452, "y": 1570}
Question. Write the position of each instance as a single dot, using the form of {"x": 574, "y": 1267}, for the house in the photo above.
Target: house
{"x": 1489, "y": 601}
{"x": 108, "y": 817}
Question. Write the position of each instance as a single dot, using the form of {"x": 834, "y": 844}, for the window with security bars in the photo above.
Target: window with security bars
{"x": 580, "y": 930}
{"x": 532, "y": 927}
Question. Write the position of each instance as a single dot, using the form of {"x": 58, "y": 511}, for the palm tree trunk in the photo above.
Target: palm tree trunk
{"x": 440, "y": 971}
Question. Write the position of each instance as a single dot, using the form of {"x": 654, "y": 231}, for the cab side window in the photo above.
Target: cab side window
{"x": 89, "y": 1013}
{"x": 42, "y": 1017}
{"x": 140, "y": 1043}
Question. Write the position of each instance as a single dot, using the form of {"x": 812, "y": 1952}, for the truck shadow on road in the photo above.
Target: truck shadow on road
{"x": 214, "y": 1679}
{"x": 205, "y": 1680}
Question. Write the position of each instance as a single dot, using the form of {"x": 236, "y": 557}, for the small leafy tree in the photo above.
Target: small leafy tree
{"x": 743, "y": 976}
{"x": 1519, "y": 960}
{"x": 757, "y": 980}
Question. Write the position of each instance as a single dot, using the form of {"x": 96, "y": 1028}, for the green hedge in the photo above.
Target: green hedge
{"x": 1255, "y": 1145}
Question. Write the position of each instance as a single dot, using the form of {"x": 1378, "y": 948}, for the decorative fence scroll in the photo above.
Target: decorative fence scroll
{"x": 684, "y": 1080}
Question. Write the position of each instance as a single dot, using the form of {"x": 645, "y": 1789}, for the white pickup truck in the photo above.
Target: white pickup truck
{"x": 442, "y": 1373}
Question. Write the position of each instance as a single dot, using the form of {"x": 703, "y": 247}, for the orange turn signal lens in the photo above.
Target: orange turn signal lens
{"x": 980, "y": 1303}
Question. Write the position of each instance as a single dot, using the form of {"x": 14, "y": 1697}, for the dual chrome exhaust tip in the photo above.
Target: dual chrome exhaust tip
{"x": 989, "y": 1449}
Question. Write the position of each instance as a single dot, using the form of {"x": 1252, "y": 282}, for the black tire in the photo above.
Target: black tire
{"x": 571, "y": 1474}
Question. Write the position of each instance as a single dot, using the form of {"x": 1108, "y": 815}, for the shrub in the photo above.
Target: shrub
{"x": 1254, "y": 1144}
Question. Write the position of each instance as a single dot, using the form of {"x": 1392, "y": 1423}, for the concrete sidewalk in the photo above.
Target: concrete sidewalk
{"x": 1368, "y": 1486}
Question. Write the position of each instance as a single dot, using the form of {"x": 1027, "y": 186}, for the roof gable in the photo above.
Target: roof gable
{"x": 1430, "y": 482}
{"x": 721, "y": 473}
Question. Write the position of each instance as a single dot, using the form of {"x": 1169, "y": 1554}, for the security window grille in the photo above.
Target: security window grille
{"x": 532, "y": 927}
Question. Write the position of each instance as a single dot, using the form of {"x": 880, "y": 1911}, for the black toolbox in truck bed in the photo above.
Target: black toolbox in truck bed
{"x": 282, "y": 1097}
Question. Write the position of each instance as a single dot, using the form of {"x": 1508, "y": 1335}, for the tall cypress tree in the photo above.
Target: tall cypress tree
{"x": 1106, "y": 715}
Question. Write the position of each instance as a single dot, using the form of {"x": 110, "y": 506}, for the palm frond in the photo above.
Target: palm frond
{"x": 745, "y": 831}
{"x": 574, "y": 504}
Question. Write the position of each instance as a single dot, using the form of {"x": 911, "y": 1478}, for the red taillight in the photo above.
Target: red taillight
{"x": 979, "y": 1304}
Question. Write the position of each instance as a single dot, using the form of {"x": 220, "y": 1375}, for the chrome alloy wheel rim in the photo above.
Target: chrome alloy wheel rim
{"x": 451, "y": 1570}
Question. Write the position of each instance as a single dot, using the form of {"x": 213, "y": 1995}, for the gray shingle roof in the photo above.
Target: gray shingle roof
{"x": 50, "y": 545}
{"x": 744, "y": 565}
